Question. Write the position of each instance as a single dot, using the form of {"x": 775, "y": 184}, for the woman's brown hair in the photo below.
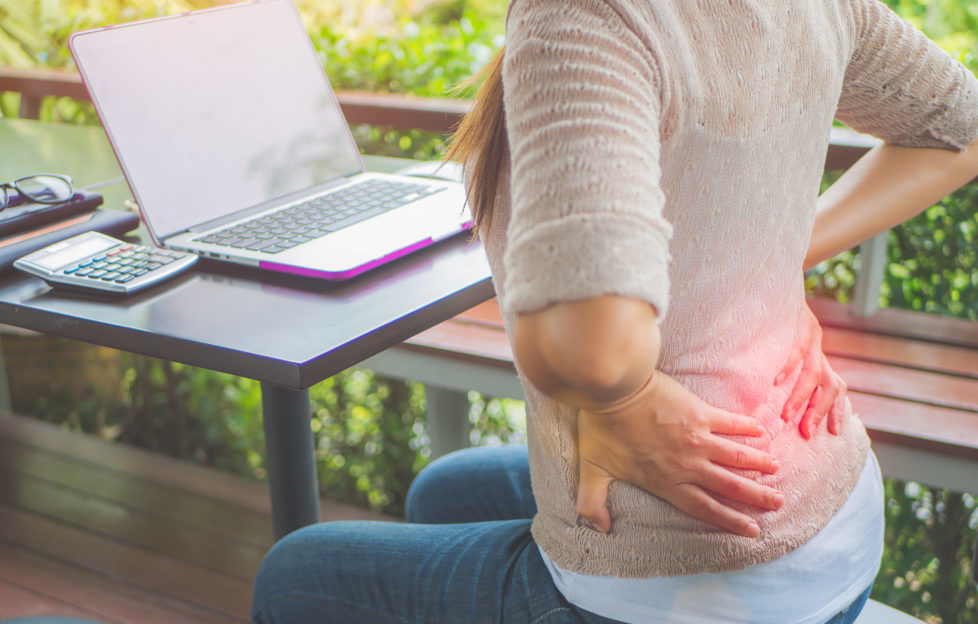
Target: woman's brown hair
{"x": 480, "y": 142}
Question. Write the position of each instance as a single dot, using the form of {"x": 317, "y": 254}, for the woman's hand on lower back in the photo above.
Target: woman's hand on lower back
{"x": 666, "y": 440}
{"x": 818, "y": 390}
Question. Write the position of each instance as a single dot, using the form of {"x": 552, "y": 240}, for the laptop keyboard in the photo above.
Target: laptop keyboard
{"x": 284, "y": 229}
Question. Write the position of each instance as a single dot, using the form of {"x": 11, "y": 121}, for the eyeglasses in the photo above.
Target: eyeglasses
{"x": 46, "y": 188}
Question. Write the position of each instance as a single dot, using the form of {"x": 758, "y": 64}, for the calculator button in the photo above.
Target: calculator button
{"x": 110, "y": 276}
{"x": 98, "y": 258}
{"x": 85, "y": 264}
{"x": 153, "y": 265}
{"x": 139, "y": 272}
{"x": 124, "y": 279}
{"x": 71, "y": 270}
{"x": 82, "y": 272}
{"x": 96, "y": 274}
{"x": 161, "y": 259}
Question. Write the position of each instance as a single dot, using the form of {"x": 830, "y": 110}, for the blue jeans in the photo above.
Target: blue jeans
{"x": 466, "y": 555}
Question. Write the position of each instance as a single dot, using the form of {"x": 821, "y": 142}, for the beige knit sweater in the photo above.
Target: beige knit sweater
{"x": 671, "y": 151}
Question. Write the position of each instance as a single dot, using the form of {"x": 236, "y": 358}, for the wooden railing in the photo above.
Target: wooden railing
{"x": 402, "y": 112}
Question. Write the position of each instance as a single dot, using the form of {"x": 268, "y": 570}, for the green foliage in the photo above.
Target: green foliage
{"x": 952, "y": 24}
{"x": 925, "y": 568}
{"x": 370, "y": 438}
{"x": 932, "y": 261}
{"x": 210, "y": 417}
{"x": 422, "y": 58}
{"x": 35, "y": 32}
{"x": 496, "y": 421}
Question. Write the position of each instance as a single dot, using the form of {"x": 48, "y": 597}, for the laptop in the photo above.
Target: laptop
{"x": 235, "y": 147}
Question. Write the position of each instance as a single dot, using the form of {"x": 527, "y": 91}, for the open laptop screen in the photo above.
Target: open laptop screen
{"x": 215, "y": 111}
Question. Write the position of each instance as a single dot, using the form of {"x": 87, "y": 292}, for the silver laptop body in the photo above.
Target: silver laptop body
{"x": 223, "y": 116}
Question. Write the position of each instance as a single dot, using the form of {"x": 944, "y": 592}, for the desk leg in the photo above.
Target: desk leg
{"x": 292, "y": 476}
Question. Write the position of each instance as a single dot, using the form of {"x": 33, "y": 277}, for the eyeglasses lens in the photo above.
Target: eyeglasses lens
{"x": 45, "y": 189}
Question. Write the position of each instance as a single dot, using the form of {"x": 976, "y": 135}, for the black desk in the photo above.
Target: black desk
{"x": 287, "y": 332}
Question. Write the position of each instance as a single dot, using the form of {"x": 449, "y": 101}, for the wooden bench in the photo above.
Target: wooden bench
{"x": 913, "y": 379}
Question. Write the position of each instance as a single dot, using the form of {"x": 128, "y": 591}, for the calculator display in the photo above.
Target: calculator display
{"x": 79, "y": 251}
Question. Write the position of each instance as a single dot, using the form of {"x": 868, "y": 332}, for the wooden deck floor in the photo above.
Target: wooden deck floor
{"x": 116, "y": 534}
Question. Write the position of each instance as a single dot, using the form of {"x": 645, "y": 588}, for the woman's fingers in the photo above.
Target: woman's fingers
{"x": 838, "y": 410}
{"x": 794, "y": 358}
{"x": 822, "y": 401}
{"x": 592, "y": 495}
{"x": 729, "y": 423}
{"x": 741, "y": 489}
{"x": 697, "y": 503}
{"x": 730, "y": 453}
{"x": 818, "y": 408}
{"x": 808, "y": 380}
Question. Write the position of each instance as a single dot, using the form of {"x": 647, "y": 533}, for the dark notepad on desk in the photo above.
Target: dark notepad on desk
{"x": 28, "y": 216}
{"x": 28, "y": 230}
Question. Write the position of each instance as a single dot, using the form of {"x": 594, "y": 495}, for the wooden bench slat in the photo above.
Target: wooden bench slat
{"x": 925, "y": 427}
{"x": 901, "y": 351}
{"x": 481, "y": 343}
{"x": 899, "y": 323}
{"x": 486, "y": 313}
{"x": 908, "y": 384}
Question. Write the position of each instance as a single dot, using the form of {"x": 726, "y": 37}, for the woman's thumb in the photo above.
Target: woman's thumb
{"x": 592, "y": 496}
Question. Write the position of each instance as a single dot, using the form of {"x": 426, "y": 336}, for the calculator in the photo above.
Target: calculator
{"x": 94, "y": 261}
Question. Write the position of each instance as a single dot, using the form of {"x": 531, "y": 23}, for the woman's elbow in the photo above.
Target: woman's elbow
{"x": 597, "y": 350}
{"x": 592, "y": 371}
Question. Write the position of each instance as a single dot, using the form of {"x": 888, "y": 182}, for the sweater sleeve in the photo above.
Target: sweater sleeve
{"x": 582, "y": 113}
{"x": 901, "y": 87}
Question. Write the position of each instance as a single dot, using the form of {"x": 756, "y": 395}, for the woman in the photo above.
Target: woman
{"x": 645, "y": 177}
